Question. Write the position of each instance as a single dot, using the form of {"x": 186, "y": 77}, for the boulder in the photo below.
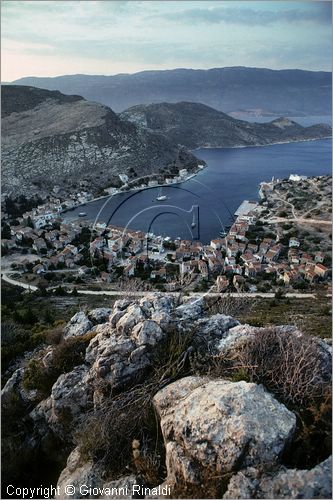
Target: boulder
{"x": 215, "y": 327}
{"x": 121, "y": 304}
{"x": 115, "y": 317}
{"x": 71, "y": 396}
{"x": 221, "y": 426}
{"x": 235, "y": 337}
{"x": 78, "y": 325}
{"x": 134, "y": 314}
{"x": 163, "y": 319}
{"x": 120, "y": 488}
{"x": 282, "y": 483}
{"x": 99, "y": 315}
{"x": 191, "y": 310}
{"x": 115, "y": 359}
{"x": 76, "y": 474}
{"x": 87, "y": 480}
{"x": 14, "y": 392}
{"x": 147, "y": 332}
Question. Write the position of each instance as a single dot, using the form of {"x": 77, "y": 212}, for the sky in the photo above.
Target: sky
{"x": 50, "y": 38}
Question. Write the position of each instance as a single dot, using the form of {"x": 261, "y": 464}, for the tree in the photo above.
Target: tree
{"x": 279, "y": 294}
{"x": 5, "y": 232}
{"x": 29, "y": 222}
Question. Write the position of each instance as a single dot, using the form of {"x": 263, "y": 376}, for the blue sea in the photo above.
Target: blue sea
{"x": 211, "y": 197}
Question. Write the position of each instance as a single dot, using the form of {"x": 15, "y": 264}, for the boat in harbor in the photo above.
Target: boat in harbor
{"x": 82, "y": 214}
{"x": 160, "y": 196}
{"x": 193, "y": 221}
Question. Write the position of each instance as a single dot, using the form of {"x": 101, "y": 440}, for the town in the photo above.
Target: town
{"x": 42, "y": 248}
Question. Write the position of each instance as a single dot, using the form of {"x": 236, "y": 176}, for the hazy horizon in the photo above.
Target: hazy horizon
{"x": 56, "y": 38}
{"x": 165, "y": 69}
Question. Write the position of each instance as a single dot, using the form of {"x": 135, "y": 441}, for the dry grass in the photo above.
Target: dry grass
{"x": 106, "y": 434}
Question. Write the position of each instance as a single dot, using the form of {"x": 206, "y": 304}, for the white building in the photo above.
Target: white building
{"x": 297, "y": 178}
{"x": 123, "y": 178}
{"x": 294, "y": 242}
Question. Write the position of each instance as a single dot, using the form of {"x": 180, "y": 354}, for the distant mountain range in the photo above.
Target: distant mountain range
{"x": 236, "y": 89}
{"x": 50, "y": 139}
{"x": 195, "y": 125}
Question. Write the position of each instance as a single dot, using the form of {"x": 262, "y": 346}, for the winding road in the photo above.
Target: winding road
{"x": 114, "y": 293}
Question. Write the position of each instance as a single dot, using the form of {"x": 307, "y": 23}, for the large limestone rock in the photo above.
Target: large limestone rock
{"x": 283, "y": 483}
{"x": 78, "y": 473}
{"x": 83, "y": 477}
{"x": 221, "y": 426}
{"x": 14, "y": 391}
{"x": 78, "y": 325}
{"x": 100, "y": 314}
{"x": 133, "y": 315}
{"x": 191, "y": 310}
{"x": 147, "y": 332}
{"x": 115, "y": 359}
{"x": 71, "y": 396}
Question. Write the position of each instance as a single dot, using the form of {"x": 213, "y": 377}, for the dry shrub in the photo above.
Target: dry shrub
{"x": 296, "y": 369}
{"x": 106, "y": 433}
{"x": 231, "y": 305}
{"x": 289, "y": 365}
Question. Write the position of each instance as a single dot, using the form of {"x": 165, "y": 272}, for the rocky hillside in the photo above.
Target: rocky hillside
{"x": 195, "y": 125}
{"x": 163, "y": 393}
{"x": 288, "y": 92}
{"x": 51, "y": 139}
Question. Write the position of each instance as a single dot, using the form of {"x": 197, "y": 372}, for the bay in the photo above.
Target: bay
{"x": 214, "y": 194}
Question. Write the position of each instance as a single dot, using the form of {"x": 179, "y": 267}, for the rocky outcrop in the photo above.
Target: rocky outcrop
{"x": 78, "y": 473}
{"x": 14, "y": 391}
{"x": 210, "y": 426}
{"x": 78, "y": 325}
{"x": 99, "y": 315}
{"x": 84, "y": 476}
{"x": 220, "y": 425}
{"x": 283, "y": 483}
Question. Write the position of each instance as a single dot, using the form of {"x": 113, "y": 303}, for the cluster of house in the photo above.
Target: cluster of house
{"x": 118, "y": 247}
{"x": 229, "y": 258}
{"x": 51, "y": 246}
{"x": 301, "y": 265}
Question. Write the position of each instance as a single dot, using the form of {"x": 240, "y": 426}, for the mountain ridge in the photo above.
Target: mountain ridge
{"x": 229, "y": 89}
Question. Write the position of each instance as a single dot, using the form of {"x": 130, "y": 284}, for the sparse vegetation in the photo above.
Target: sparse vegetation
{"x": 65, "y": 356}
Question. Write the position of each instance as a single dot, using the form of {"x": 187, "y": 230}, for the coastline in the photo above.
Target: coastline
{"x": 192, "y": 175}
{"x": 131, "y": 190}
{"x": 262, "y": 145}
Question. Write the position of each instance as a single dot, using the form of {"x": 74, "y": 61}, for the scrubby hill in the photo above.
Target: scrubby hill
{"x": 195, "y": 125}
{"x": 51, "y": 139}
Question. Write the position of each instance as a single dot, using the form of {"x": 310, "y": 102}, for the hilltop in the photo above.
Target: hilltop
{"x": 196, "y": 125}
{"x": 169, "y": 392}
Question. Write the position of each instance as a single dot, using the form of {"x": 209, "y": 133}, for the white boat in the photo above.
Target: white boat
{"x": 160, "y": 196}
{"x": 82, "y": 214}
{"x": 193, "y": 221}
